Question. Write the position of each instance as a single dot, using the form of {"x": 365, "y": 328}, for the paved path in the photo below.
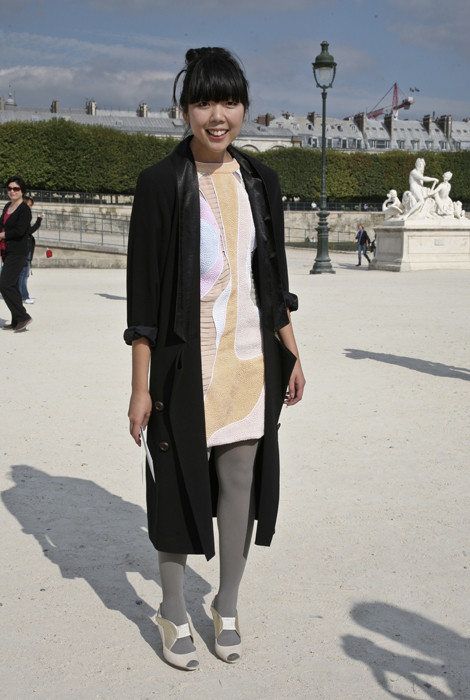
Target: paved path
{"x": 364, "y": 593}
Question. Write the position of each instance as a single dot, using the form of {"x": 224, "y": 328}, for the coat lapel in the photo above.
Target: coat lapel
{"x": 188, "y": 280}
{"x": 270, "y": 285}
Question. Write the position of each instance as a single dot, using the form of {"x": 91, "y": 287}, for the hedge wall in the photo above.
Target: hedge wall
{"x": 362, "y": 176}
{"x": 61, "y": 155}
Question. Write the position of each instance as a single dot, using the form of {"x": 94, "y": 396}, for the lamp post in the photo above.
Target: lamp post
{"x": 324, "y": 71}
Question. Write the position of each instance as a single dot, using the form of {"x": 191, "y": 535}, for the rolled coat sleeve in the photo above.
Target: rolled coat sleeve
{"x": 149, "y": 227}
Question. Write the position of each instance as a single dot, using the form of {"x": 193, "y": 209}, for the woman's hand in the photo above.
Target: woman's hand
{"x": 295, "y": 389}
{"x": 140, "y": 408}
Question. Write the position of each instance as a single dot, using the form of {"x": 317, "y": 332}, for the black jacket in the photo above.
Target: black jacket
{"x": 362, "y": 237}
{"x": 163, "y": 303}
{"x": 17, "y": 229}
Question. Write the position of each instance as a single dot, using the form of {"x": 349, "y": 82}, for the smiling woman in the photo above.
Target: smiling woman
{"x": 214, "y": 100}
{"x": 15, "y": 223}
{"x": 214, "y": 126}
{"x": 209, "y": 311}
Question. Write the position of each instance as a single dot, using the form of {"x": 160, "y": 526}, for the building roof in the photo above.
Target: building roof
{"x": 352, "y": 133}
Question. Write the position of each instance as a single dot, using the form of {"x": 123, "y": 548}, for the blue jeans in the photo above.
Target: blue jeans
{"x": 362, "y": 248}
{"x": 23, "y": 280}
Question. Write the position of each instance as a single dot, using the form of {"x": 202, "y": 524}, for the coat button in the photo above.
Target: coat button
{"x": 159, "y": 406}
{"x": 164, "y": 447}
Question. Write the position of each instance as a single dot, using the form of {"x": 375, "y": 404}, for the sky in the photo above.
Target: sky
{"x": 124, "y": 52}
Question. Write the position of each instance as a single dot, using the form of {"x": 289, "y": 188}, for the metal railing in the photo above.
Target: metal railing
{"x": 306, "y": 236}
{"x": 332, "y": 206}
{"x": 56, "y": 197}
{"x": 94, "y": 229}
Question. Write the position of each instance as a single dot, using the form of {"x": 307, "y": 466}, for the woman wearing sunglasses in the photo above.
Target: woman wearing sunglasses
{"x": 15, "y": 222}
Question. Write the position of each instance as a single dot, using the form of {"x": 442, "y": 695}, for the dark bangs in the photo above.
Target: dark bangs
{"x": 214, "y": 78}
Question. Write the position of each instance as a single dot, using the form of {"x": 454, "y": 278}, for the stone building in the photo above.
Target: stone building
{"x": 431, "y": 133}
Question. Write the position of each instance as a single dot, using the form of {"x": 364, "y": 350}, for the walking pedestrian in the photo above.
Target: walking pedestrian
{"x": 25, "y": 272}
{"x": 363, "y": 241}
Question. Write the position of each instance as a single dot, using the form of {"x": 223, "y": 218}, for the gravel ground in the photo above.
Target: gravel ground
{"x": 364, "y": 593}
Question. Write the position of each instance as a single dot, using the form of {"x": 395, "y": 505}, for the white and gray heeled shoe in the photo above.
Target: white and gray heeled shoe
{"x": 170, "y": 633}
{"x": 231, "y": 654}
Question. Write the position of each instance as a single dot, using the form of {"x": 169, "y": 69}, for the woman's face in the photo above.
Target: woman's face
{"x": 14, "y": 192}
{"x": 214, "y": 125}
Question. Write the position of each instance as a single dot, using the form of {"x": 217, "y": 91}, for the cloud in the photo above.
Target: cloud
{"x": 45, "y": 50}
{"x": 71, "y": 70}
{"x": 154, "y": 7}
{"x": 124, "y": 66}
{"x": 435, "y": 26}
{"x": 281, "y": 77}
{"x": 227, "y": 8}
{"x": 123, "y": 89}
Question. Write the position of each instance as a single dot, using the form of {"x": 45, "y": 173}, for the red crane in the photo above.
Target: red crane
{"x": 395, "y": 106}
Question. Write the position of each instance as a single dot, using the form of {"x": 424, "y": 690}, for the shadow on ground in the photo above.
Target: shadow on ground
{"x": 436, "y": 368}
{"x": 91, "y": 533}
{"x": 446, "y": 665}
{"x": 112, "y": 297}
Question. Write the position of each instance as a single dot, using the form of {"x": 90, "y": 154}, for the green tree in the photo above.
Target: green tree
{"x": 66, "y": 156}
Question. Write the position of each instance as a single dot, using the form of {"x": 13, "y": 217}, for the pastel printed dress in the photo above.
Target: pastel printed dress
{"x": 231, "y": 341}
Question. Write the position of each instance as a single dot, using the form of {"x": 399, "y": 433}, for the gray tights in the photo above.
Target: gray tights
{"x": 235, "y": 517}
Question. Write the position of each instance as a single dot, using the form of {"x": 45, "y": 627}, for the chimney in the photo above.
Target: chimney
{"x": 175, "y": 112}
{"x": 90, "y": 107}
{"x": 55, "y": 107}
{"x": 142, "y": 110}
{"x": 314, "y": 118}
{"x": 265, "y": 119}
{"x": 427, "y": 122}
{"x": 445, "y": 125}
{"x": 360, "y": 121}
{"x": 2, "y": 104}
{"x": 388, "y": 124}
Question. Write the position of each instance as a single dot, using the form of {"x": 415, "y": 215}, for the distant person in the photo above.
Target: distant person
{"x": 363, "y": 241}
{"x": 25, "y": 272}
{"x": 15, "y": 223}
{"x": 373, "y": 246}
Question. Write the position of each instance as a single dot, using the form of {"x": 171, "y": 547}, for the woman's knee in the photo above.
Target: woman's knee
{"x": 235, "y": 466}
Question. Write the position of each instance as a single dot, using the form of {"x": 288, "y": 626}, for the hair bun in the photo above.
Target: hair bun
{"x": 193, "y": 55}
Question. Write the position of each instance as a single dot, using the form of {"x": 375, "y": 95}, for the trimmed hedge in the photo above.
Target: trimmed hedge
{"x": 65, "y": 156}
{"x": 361, "y": 176}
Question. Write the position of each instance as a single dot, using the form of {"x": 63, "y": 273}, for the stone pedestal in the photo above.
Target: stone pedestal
{"x": 422, "y": 245}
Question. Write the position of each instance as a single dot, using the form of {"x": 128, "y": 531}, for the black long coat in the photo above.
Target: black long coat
{"x": 163, "y": 299}
{"x": 16, "y": 229}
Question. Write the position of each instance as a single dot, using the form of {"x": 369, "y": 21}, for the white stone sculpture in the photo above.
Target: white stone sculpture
{"x": 392, "y": 205}
{"x": 443, "y": 204}
{"x": 421, "y": 202}
{"x": 418, "y": 192}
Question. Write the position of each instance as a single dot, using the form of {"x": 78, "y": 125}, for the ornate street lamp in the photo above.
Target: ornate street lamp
{"x": 324, "y": 71}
